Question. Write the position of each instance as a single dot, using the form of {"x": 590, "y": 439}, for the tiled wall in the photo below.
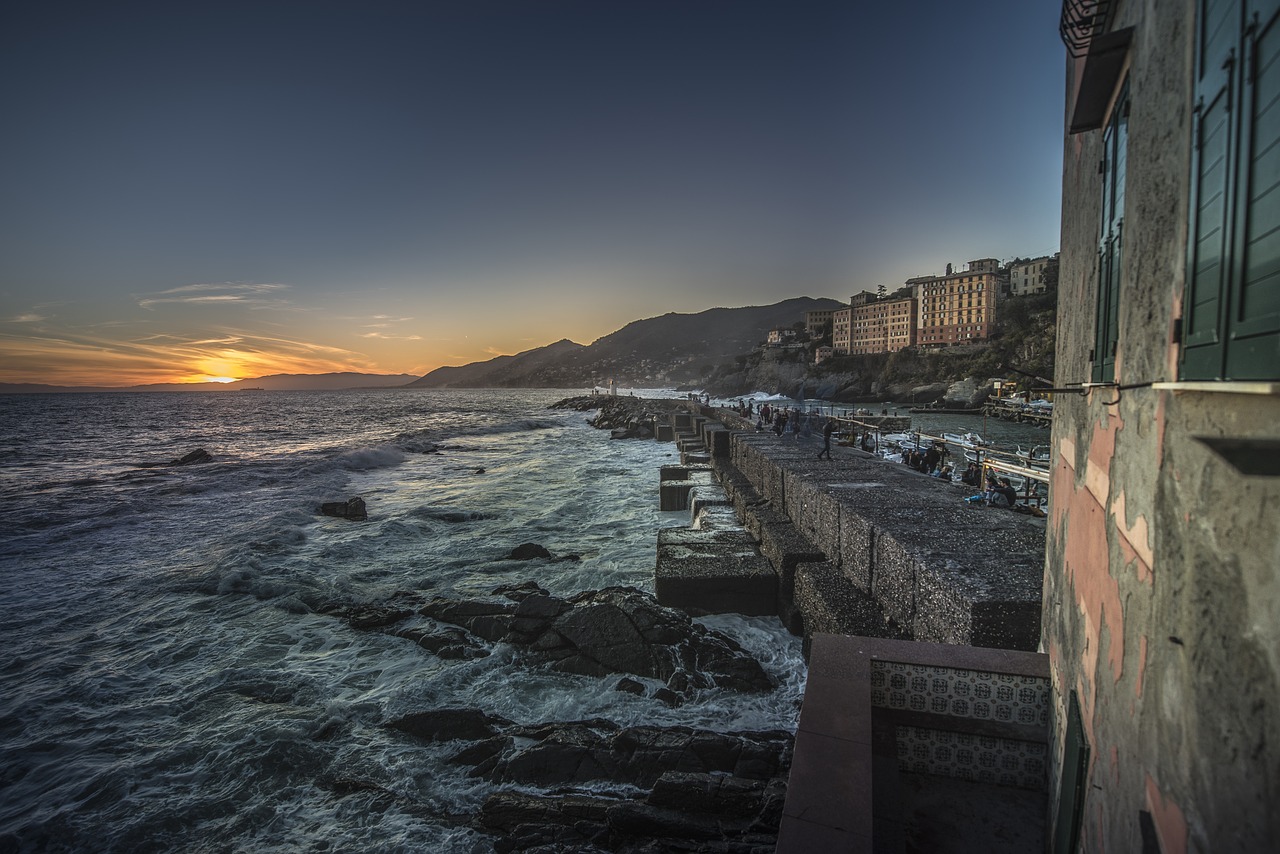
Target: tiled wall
{"x": 972, "y": 694}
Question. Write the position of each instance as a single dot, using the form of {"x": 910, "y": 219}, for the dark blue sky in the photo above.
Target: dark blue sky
{"x": 239, "y": 188}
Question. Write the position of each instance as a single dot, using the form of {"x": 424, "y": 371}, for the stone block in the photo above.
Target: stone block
{"x": 717, "y": 518}
{"x": 857, "y": 548}
{"x": 717, "y": 440}
{"x": 663, "y": 431}
{"x": 829, "y": 602}
{"x": 706, "y": 496}
{"x": 783, "y": 545}
{"x": 674, "y": 494}
{"x": 713, "y": 572}
{"x": 680, "y": 472}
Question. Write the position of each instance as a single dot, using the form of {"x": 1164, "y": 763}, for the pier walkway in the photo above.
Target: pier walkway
{"x": 926, "y": 711}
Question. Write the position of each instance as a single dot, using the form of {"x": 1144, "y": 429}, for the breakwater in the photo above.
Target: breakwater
{"x": 854, "y": 545}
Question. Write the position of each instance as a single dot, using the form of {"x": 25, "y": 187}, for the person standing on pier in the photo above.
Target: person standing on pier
{"x": 827, "y": 430}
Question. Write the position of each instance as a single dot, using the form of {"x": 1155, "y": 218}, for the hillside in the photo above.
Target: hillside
{"x": 666, "y": 350}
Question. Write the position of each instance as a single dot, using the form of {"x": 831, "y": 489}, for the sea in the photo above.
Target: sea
{"x": 168, "y": 682}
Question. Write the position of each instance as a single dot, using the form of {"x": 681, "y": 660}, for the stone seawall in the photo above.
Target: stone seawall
{"x": 853, "y": 545}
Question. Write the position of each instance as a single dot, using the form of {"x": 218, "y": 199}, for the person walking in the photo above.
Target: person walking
{"x": 827, "y": 430}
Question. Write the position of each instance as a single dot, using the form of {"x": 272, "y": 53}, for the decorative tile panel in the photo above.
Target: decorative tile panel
{"x": 982, "y": 759}
{"x": 976, "y": 694}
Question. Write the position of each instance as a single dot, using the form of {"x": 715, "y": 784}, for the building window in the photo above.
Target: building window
{"x": 1231, "y": 310}
{"x": 1115, "y": 144}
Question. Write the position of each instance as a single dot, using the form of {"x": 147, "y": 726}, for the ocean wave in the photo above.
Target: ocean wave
{"x": 365, "y": 458}
{"x": 451, "y": 515}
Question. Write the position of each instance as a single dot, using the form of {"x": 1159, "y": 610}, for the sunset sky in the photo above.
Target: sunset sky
{"x": 225, "y": 189}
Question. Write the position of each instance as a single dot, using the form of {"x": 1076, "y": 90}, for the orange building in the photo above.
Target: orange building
{"x": 957, "y": 308}
{"x": 881, "y": 325}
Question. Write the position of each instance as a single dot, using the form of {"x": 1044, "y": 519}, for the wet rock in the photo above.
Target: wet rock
{"x": 352, "y": 509}
{"x": 630, "y": 686}
{"x": 575, "y": 752}
{"x": 528, "y": 551}
{"x": 450, "y": 724}
{"x": 517, "y": 592}
{"x": 199, "y": 455}
{"x": 374, "y": 616}
{"x": 448, "y": 642}
{"x": 615, "y": 630}
{"x": 683, "y": 811}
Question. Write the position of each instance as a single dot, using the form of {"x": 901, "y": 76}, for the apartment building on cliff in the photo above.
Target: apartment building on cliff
{"x": 1161, "y": 613}
{"x": 1033, "y": 276}
{"x": 880, "y": 325}
{"x": 957, "y": 308}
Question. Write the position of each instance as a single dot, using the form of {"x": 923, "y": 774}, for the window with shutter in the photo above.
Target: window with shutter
{"x": 1231, "y": 310}
{"x": 1115, "y": 144}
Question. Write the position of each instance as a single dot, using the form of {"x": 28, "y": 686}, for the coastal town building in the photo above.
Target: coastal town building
{"x": 1033, "y": 276}
{"x": 881, "y": 325}
{"x": 815, "y": 322}
{"x": 777, "y": 337}
{"x": 1161, "y": 590}
{"x": 841, "y": 325}
{"x": 957, "y": 307}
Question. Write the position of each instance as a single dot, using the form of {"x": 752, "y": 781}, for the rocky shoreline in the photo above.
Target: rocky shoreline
{"x": 596, "y": 785}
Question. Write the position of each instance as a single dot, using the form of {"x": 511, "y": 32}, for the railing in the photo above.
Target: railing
{"x": 1080, "y": 21}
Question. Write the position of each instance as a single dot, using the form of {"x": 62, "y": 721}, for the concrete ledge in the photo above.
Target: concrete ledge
{"x": 783, "y": 545}
{"x": 716, "y": 518}
{"x": 830, "y": 603}
{"x": 681, "y": 472}
{"x": 713, "y": 572}
{"x": 674, "y": 494}
{"x": 706, "y": 496}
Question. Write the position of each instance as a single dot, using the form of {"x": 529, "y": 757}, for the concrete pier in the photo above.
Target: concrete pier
{"x": 855, "y": 545}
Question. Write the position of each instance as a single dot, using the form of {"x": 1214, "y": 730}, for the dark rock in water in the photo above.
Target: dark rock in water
{"x": 447, "y": 642}
{"x": 480, "y": 471}
{"x": 352, "y": 509}
{"x": 559, "y": 823}
{"x": 566, "y": 753}
{"x": 450, "y": 724}
{"x": 528, "y": 551}
{"x": 517, "y": 592}
{"x": 630, "y": 686}
{"x": 706, "y": 804}
{"x": 615, "y": 630}
{"x": 375, "y": 617}
{"x": 199, "y": 455}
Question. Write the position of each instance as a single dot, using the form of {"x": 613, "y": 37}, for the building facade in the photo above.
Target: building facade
{"x": 1035, "y": 276}
{"x": 1162, "y": 591}
{"x": 881, "y": 325}
{"x": 957, "y": 308}
{"x": 815, "y": 321}
{"x": 841, "y": 324}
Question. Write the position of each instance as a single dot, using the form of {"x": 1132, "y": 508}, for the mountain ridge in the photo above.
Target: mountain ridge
{"x": 667, "y": 349}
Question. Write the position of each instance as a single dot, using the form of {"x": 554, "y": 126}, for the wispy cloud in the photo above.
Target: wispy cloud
{"x": 384, "y": 337}
{"x": 250, "y": 294}
{"x": 27, "y": 318}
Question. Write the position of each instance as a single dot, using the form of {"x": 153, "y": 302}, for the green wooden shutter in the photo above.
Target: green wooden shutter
{"x": 1252, "y": 322}
{"x": 1115, "y": 145}
{"x": 1212, "y": 166}
{"x": 1071, "y": 786}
